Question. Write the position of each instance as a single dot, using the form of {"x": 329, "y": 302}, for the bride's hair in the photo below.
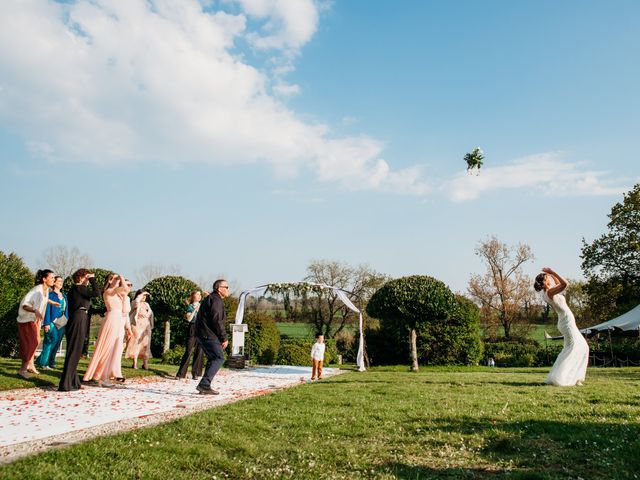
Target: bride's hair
{"x": 538, "y": 285}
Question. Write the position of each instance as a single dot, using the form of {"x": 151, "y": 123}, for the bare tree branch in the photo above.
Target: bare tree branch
{"x": 64, "y": 260}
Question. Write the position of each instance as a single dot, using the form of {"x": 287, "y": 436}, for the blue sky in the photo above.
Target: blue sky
{"x": 247, "y": 138}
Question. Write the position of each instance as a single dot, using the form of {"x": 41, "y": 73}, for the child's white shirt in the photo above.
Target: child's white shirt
{"x": 317, "y": 351}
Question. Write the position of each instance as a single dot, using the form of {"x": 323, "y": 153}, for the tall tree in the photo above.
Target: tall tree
{"x": 64, "y": 260}
{"x": 327, "y": 313}
{"x": 617, "y": 252}
{"x": 504, "y": 292}
{"x": 611, "y": 263}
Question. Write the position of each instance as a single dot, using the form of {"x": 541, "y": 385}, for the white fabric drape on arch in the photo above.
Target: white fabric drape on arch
{"x": 341, "y": 295}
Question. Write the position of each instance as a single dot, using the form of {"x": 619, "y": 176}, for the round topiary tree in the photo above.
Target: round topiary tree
{"x": 15, "y": 281}
{"x": 414, "y": 302}
{"x": 168, "y": 298}
{"x": 97, "y": 304}
{"x": 455, "y": 340}
{"x": 264, "y": 337}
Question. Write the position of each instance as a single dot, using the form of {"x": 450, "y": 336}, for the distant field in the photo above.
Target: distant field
{"x": 296, "y": 330}
{"x": 303, "y": 330}
{"x": 538, "y": 332}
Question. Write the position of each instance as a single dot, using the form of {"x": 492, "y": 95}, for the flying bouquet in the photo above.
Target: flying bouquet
{"x": 474, "y": 159}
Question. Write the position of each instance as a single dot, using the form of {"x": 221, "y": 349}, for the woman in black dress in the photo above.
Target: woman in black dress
{"x": 79, "y": 297}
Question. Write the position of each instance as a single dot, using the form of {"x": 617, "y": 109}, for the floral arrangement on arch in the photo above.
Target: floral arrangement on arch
{"x": 298, "y": 288}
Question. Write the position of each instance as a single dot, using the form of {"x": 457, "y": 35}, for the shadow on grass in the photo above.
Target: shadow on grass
{"x": 414, "y": 472}
{"x": 538, "y": 449}
{"x": 43, "y": 380}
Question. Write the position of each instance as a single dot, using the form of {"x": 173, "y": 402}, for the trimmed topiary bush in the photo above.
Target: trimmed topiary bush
{"x": 15, "y": 281}
{"x": 454, "y": 341}
{"x": 168, "y": 298}
{"x": 263, "y": 338}
{"x": 415, "y": 303}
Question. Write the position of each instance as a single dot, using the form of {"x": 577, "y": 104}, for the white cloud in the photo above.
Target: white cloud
{"x": 285, "y": 89}
{"x": 547, "y": 173}
{"x": 162, "y": 81}
{"x": 289, "y": 23}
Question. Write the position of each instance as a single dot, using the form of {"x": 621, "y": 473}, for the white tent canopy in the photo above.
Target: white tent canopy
{"x": 342, "y": 295}
{"x": 626, "y": 322}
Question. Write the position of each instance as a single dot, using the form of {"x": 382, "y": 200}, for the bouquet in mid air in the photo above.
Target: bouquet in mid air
{"x": 474, "y": 159}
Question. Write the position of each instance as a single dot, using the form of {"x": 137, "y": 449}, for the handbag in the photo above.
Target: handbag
{"x": 61, "y": 321}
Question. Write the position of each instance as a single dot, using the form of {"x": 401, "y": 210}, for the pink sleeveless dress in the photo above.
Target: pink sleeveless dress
{"x": 106, "y": 361}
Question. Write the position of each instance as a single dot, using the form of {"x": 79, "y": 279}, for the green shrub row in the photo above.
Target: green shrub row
{"x": 297, "y": 351}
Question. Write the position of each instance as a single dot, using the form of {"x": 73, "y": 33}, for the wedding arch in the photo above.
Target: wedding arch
{"x": 308, "y": 287}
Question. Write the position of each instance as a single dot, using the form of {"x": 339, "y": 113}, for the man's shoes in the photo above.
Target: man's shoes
{"x": 207, "y": 391}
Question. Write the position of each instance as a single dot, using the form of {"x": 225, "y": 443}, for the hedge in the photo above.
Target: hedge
{"x": 263, "y": 339}
{"x": 15, "y": 281}
{"x": 297, "y": 351}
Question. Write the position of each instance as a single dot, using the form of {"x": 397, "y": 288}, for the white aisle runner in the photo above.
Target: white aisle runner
{"x": 32, "y": 414}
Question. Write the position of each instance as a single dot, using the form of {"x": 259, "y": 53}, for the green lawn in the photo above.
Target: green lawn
{"x": 9, "y": 378}
{"x": 453, "y": 423}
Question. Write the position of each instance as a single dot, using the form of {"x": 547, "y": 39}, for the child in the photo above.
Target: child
{"x": 317, "y": 357}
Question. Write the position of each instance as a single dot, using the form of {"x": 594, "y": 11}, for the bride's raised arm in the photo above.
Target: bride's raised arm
{"x": 561, "y": 283}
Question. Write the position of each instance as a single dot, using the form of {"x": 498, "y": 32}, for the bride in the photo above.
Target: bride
{"x": 571, "y": 365}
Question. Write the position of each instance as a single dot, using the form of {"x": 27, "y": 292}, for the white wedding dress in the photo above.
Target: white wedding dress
{"x": 571, "y": 365}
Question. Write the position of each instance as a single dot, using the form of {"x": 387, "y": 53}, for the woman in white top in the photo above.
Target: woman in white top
{"x": 570, "y": 367}
{"x": 30, "y": 316}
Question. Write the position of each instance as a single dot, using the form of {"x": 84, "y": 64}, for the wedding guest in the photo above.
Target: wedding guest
{"x": 84, "y": 288}
{"x": 106, "y": 362}
{"x": 116, "y": 372}
{"x": 141, "y": 319}
{"x": 211, "y": 334}
{"x": 30, "y": 316}
{"x": 54, "y": 324}
{"x": 191, "y": 346}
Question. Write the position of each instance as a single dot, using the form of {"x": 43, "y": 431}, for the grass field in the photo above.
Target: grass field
{"x": 453, "y": 423}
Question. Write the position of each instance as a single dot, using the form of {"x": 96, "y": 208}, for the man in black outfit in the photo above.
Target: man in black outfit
{"x": 211, "y": 334}
{"x": 79, "y": 301}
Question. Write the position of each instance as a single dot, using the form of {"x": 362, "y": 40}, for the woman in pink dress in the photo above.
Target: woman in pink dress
{"x": 139, "y": 344}
{"x": 106, "y": 362}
